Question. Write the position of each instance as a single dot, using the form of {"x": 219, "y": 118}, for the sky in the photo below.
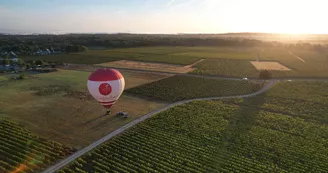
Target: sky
{"x": 163, "y": 16}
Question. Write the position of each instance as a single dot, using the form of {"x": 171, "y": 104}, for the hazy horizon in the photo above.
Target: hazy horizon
{"x": 163, "y": 16}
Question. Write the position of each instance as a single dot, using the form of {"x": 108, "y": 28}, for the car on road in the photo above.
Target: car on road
{"x": 123, "y": 114}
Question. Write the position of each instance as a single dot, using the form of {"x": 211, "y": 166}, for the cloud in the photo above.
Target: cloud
{"x": 185, "y": 3}
{"x": 170, "y": 3}
{"x": 4, "y": 10}
{"x": 145, "y": 5}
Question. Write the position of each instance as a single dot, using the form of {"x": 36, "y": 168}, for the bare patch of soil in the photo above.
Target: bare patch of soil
{"x": 261, "y": 65}
{"x": 66, "y": 91}
{"x": 148, "y": 66}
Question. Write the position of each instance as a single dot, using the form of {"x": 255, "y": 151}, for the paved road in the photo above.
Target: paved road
{"x": 79, "y": 153}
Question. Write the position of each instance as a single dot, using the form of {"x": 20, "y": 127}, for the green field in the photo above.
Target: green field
{"x": 22, "y": 151}
{"x": 234, "y": 68}
{"x": 100, "y": 56}
{"x": 226, "y": 67}
{"x": 220, "y": 53}
{"x": 184, "y": 87}
{"x": 3, "y": 78}
{"x": 243, "y": 68}
{"x": 221, "y": 61}
{"x": 280, "y": 131}
{"x": 305, "y": 100}
{"x": 58, "y": 106}
{"x": 90, "y": 57}
{"x": 172, "y": 55}
{"x": 315, "y": 65}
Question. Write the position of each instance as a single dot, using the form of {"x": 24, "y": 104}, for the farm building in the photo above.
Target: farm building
{"x": 45, "y": 52}
{"x": 10, "y": 55}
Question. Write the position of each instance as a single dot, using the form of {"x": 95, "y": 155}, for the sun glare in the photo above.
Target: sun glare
{"x": 280, "y": 16}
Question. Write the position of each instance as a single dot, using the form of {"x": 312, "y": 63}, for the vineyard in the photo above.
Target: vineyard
{"x": 233, "y": 68}
{"x": 164, "y": 55}
{"x": 185, "y": 87}
{"x": 226, "y": 53}
{"x": 226, "y": 67}
{"x": 306, "y": 100}
{"x": 240, "y": 135}
{"x": 21, "y": 151}
{"x": 221, "y": 61}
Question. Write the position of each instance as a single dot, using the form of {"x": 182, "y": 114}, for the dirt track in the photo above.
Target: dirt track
{"x": 297, "y": 56}
{"x": 192, "y": 65}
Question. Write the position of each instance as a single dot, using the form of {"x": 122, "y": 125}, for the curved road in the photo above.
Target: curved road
{"x": 81, "y": 152}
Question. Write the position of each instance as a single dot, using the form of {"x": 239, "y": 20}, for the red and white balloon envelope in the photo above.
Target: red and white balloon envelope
{"x": 106, "y": 86}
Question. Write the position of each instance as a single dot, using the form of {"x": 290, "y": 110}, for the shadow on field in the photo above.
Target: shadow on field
{"x": 93, "y": 120}
{"x": 107, "y": 120}
{"x": 236, "y": 138}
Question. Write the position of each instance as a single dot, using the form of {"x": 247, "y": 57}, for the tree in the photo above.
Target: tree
{"x": 28, "y": 66}
{"x": 5, "y": 61}
{"x": 265, "y": 74}
{"x": 39, "y": 62}
{"x": 84, "y": 49}
{"x": 20, "y": 62}
{"x": 21, "y": 77}
{"x": 68, "y": 49}
{"x": 75, "y": 48}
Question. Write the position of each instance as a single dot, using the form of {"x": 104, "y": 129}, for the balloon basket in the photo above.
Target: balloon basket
{"x": 108, "y": 112}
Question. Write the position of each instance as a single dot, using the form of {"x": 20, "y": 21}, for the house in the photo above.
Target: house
{"x": 45, "y": 52}
{"x": 11, "y": 56}
{"x": 8, "y": 68}
{"x": 13, "y": 59}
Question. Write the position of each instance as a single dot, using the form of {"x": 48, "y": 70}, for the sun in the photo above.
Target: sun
{"x": 278, "y": 16}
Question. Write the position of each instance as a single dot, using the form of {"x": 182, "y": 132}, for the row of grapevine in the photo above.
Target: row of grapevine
{"x": 21, "y": 151}
{"x": 184, "y": 87}
{"x": 233, "y": 68}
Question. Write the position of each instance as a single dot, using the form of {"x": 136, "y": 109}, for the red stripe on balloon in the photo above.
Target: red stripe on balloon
{"x": 107, "y": 102}
{"x": 105, "y": 74}
{"x": 107, "y": 106}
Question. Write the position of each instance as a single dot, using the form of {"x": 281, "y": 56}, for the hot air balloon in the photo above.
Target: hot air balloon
{"x": 106, "y": 86}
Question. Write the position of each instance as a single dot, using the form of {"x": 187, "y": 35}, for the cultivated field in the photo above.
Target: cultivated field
{"x": 240, "y": 57}
{"x": 244, "y": 68}
{"x": 261, "y": 65}
{"x": 147, "y": 66}
{"x": 226, "y": 67}
{"x": 58, "y": 106}
{"x": 22, "y": 151}
{"x": 184, "y": 87}
{"x": 225, "y": 53}
{"x": 221, "y": 61}
{"x": 280, "y": 131}
{"x": 139, "y": 54}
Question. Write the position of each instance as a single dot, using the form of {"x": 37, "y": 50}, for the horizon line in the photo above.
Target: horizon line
{"x": 140, "y": 33}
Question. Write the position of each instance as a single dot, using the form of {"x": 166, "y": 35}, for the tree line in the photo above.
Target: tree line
{"x": 69, "y": 43}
